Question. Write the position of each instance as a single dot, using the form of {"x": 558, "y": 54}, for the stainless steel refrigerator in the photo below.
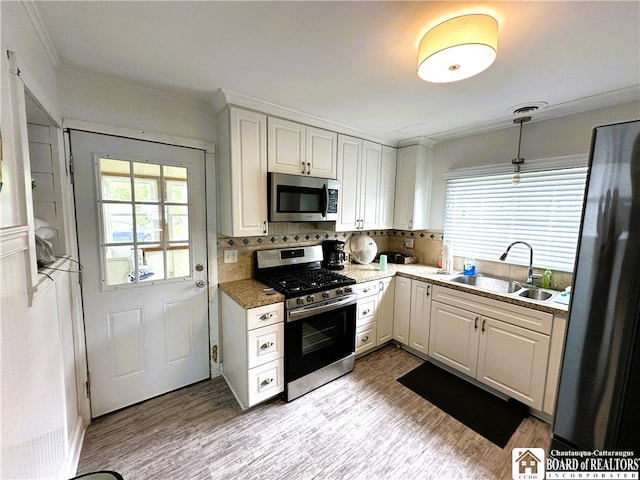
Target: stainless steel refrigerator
{"x": 598, "y": 403}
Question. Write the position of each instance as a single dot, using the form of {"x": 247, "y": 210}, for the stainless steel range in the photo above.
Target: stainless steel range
{"x": 320, "y": 308}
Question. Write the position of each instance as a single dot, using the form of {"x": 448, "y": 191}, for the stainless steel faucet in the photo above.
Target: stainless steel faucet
{"x": 530, "y": 274}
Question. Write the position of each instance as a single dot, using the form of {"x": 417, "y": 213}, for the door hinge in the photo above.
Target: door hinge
{"x": 87, "y": 386}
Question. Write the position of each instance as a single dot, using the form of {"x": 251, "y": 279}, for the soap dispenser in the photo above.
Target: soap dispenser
{"x": 469, "y": 266}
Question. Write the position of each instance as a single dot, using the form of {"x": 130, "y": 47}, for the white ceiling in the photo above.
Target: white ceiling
{"x": 354, "y": 63}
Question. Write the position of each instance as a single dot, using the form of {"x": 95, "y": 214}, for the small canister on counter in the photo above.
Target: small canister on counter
{"x": 383, "y": 263}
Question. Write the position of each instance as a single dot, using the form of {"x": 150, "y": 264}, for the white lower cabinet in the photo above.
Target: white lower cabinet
{"x": 386, "y": 291}
{"x": 412, "y": 313}
{"x": 252, "y": 350}
{"x": 374, "y": 314}
{"x": 420, "y": 319}
{"x": 502, "y": 345}
{"x": 402, "y": 309}
{"x": 366, "y": 317}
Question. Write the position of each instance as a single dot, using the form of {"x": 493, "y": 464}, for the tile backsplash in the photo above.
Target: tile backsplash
{"x": 427, "y": 247}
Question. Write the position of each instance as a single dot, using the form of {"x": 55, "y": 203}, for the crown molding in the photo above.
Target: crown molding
{"x": 132, "y": 85}
{"x": 223, "y": 97}
{"x": 43, "y": 34}
{"x": 580, "y": 105}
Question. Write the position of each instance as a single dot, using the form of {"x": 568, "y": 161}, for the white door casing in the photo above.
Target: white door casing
{"x": 146, "y": 329}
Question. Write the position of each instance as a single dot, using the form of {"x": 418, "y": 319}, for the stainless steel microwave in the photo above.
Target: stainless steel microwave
{"x": 298, "y": 198}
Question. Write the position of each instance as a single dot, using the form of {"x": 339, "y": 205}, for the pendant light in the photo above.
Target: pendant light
{"x": 458, "y": 48}
{"x": 518, "y": 161}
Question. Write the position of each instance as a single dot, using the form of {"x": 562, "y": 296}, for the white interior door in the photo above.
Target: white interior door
{"x": 140, "y": 210}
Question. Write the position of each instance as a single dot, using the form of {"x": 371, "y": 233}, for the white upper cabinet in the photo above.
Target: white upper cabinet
{"x": 387, "y": 190}
{"x": 242, "y": 172}
{"x": 298, "y": 149}
{"x": 321, "y": 152}
{"x": 413, "y": 188}
{"x": 359, "y": 173}
{"x": 286, "y": 147}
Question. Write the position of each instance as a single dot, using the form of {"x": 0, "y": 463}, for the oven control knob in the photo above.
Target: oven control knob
{"x": 310, "y": 298}
{"x": 300, "y": 301}
{"x": 348, "y": 289}
{"x": 339, "y": 291}
{"x": 326, "y": 294}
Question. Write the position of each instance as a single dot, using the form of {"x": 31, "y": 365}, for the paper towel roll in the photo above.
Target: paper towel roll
{"x": 447, "y": 257}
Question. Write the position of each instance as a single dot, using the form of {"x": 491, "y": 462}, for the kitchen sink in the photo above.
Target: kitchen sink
{"x": 485, "y": 282}
{"x": 535, "y": 294}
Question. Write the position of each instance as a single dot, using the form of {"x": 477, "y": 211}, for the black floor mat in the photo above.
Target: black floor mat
{"x": 488, "y": 415}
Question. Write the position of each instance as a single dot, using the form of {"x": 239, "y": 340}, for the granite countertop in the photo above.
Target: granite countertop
{"x": 250, "y": 293}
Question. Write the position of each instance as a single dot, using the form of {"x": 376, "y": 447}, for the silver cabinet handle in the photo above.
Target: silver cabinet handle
{"x": 410, "y": 223}
{"x": 264, "y": 227}
{"x": 266, "y": 316}
{"x": 365, "y": 290}
{"x": 266, "y": 382}
{"x": 483, "y": 322}
{"x": 266, "y": 345}
{"x": 365, "y": 312}
{"x": 475, "y": 324}
{"x": 428, "y": 289}
{"x": 308, "y": 168}
{"x": 201, "y": 283}
{"x": 302, "y": 171}
{"x": 365, "y": 338}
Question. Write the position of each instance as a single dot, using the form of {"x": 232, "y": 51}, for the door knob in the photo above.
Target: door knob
{"x": 201, "y": 283}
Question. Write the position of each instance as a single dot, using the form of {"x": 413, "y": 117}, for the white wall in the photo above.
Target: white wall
{"x": 97, "y": 99}
{"x": 547, "y": 138}
{"x": 39, "y": 411}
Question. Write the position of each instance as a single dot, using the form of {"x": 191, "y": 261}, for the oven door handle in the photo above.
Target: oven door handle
{"x": 305, "y": 312}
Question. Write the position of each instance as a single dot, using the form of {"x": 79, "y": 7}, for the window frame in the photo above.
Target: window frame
{"x": 489, "y": 247}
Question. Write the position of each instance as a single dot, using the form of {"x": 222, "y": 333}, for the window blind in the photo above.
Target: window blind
{"x": 484, "y": 214}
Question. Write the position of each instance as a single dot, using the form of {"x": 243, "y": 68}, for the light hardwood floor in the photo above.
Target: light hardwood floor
{"x": 365, "y": 425}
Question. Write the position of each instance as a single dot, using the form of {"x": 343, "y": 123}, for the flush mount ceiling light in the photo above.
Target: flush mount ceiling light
{"x": 458, "y": 48}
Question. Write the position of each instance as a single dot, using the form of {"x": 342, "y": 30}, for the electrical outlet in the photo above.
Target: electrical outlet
{"x": 231, "y": 256}
{"x": 408, "y": 242}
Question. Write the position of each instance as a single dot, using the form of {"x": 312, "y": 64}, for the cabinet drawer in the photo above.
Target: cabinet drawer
{"x": 366, "y": 310}
{"x": 366, "y": 337}
{"x": 265, "y": 381}
{"x": 266, "y": 315}
{"x": 265, "y": 344}
{"x": 367, "y": 289}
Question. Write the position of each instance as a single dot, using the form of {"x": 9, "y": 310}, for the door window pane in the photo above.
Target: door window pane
{"x": 145, "y": 222}
{"x": 115, "y": 179}
{"x": 146, "y": 179}
{"x": 178, "y": 223}
{"x": 178, "y": 261}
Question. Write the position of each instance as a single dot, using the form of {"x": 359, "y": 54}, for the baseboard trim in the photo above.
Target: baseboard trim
{"x": 75, "y": 447}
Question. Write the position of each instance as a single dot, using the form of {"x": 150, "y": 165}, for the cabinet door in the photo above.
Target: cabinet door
{"x": 370, "y": 179}
{"x": 349, "y": 156}
{"x": 387, "y": 188}
{"x": 248, "y": 132}
{"x": 405, "y": 188}
{"x": 385, "y": 310}
{"x": 420, "y": 316}
{"x": 286, "y": 147}
{"x": 402, "y": 310}
{"x": 321, "y": 150}
{"x": 453, "y": 338}
{"x": 513, "y": 360}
